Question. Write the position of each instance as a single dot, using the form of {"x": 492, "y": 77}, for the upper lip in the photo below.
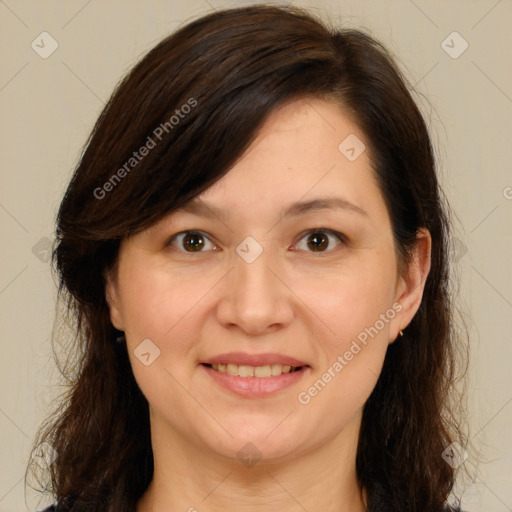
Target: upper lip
{"x": 242, "y": 358}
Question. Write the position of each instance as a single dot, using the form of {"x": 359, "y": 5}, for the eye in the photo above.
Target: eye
{"x": 318, "y": 240}
{"x": 191, "y": 241}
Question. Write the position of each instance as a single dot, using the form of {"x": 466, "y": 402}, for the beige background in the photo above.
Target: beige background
{"x": 48, "y": 107}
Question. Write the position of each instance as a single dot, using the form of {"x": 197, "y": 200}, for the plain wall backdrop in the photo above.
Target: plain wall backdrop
{"x": 457, "y": 54}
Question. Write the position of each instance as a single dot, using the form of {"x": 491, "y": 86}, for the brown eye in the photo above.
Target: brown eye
{"x": 191, "y": 241}
{"x": 319, "y": 240}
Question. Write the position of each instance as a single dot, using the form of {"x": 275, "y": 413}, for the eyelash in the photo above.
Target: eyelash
{"x": 340, "y": 236}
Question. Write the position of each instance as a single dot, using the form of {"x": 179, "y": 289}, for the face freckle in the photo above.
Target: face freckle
{"x": 255, "y": 295}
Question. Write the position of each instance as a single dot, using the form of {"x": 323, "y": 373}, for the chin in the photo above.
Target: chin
{"x": 260, "y": 443}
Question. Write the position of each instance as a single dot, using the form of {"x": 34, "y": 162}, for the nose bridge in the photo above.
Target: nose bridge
{"x": 252, "y": 276}
{"x": 256, "y": 299}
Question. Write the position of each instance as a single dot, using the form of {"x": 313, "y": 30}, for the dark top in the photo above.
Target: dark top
{"x": 53, "y": 509}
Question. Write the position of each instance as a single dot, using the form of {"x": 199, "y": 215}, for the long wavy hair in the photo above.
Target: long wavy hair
{"x": 233, "y": 68}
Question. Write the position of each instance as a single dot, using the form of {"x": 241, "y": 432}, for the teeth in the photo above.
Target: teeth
{"x": 275, "y": 369}
{"x": 253, "y": 371}
{"x": 245, "y": 371}
{"x": 232, "y": 369}
{"x": 262, "y": 371}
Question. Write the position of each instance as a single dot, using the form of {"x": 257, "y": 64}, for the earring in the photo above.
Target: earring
{"x": 120, "y": 339}
{"x": 401, "y": 332}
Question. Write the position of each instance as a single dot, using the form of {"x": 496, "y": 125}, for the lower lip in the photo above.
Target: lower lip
{"x": 255, "y": 387}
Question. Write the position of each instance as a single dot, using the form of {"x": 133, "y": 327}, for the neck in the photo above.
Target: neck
{"x": 194, "y": 478}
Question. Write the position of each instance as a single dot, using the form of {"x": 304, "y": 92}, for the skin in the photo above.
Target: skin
{"x": 292, "y": 300}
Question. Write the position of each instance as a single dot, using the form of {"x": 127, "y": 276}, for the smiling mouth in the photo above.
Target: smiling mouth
{"x": 269, "y": 370}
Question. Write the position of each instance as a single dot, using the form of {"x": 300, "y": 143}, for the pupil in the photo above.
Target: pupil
{"x": 318, "y": 239}
{"x": 197, "y": 242}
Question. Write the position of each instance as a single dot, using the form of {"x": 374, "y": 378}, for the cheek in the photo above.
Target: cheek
{"x": 355, "y": 305}
{"x": 154, "y": 301}
{"x": 163, "y": 308}
{"x": 351, "y": 359}
{"x": 353, "y": 297}
{"x": 167, "y": 308}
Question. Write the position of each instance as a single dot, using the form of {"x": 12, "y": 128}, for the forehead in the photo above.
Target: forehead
{"x": 306, "y": 148}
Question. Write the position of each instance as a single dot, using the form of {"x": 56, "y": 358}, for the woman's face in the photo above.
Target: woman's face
{"x": 290, "y": 262}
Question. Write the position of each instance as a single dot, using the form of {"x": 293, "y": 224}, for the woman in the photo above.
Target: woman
{"x": 254, "y": 249}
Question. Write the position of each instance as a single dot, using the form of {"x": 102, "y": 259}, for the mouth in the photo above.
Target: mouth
{"x": 261, "y": 379}
{"x": 269, "y": 370}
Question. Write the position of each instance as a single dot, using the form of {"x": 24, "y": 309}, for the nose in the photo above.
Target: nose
{"x": 255, "y": 297}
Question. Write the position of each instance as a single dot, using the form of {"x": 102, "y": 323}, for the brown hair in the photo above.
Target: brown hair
{"x": 232, "y": 68}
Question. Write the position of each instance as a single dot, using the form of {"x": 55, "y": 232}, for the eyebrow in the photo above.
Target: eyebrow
{"x": 202, "y": 209}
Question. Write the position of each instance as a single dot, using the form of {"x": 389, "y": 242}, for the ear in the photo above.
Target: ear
{"x": 411, "y": 285}
{"x": 112, "y": 298}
